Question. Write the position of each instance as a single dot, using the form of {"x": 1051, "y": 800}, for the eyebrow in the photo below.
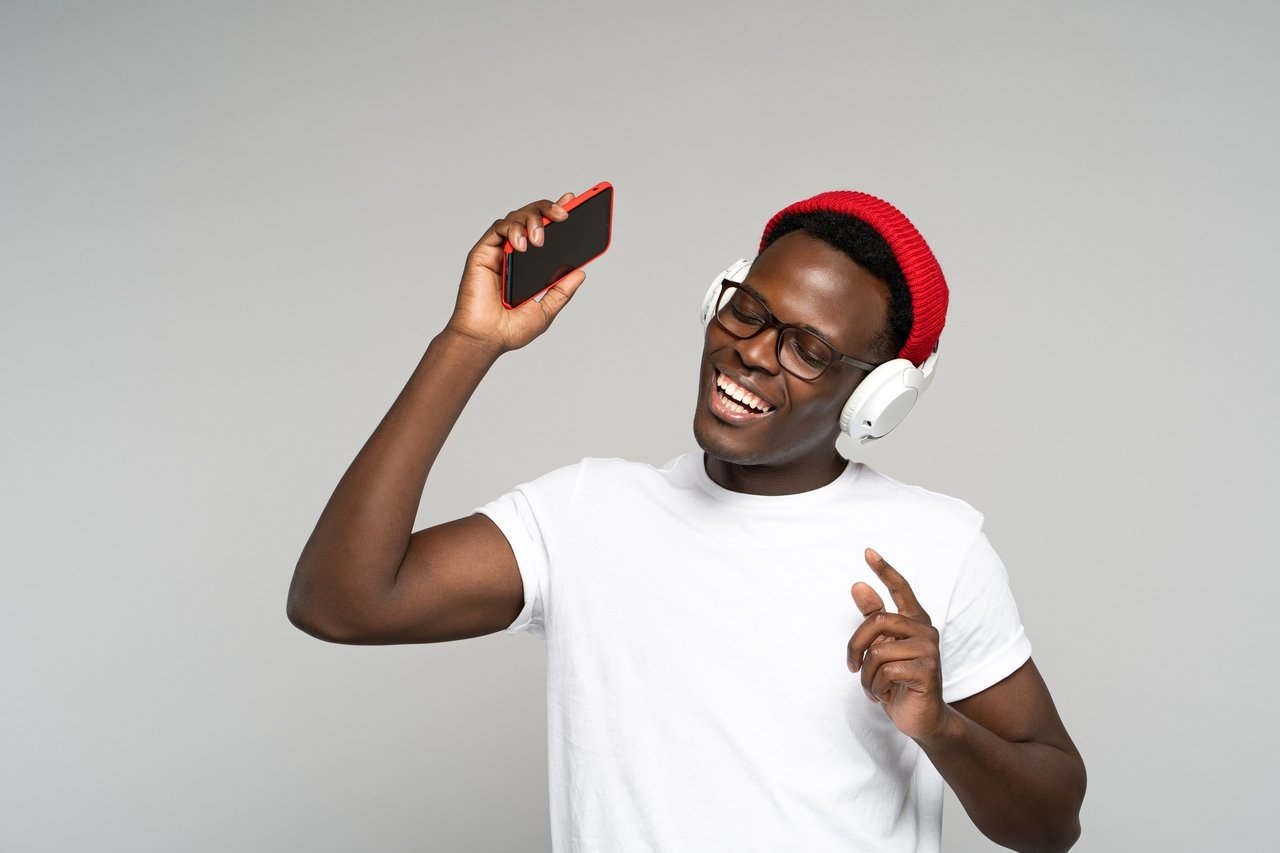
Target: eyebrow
{"x": 808, "y": 328}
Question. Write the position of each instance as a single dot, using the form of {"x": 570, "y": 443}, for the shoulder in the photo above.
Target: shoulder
{"x": 611, "y": 478}
{"x": 940, "y": 511}
{"x": 604, "y": 471}
{"x": 616, "y": 468}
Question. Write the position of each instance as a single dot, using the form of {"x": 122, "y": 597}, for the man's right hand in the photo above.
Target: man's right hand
{"x": 364, "y": 577}
{"x": 479, "y": 314}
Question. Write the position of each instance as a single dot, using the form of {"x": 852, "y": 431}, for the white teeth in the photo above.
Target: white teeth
{"x": 737, "y": 392}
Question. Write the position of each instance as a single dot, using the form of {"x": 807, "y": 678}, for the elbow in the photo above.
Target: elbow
{"x": 1070, "y": 839}
{"x": 1069, "y": 832}
{"x": 329, "y": 630}
{"x": 1064, "y": 839}
{"x": 304, "y": 620}
{"x": 1061, "y": 835}
{"x": 332, "y": 624}
{"x": 1051, "y": 827}
{"x": 1049, "y": 839}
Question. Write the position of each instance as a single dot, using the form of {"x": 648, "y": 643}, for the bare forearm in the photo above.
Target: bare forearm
{"x": 353, "y": 554}
{"x": 1025, "y": 796}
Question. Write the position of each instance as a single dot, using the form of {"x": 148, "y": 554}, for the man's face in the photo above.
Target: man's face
{"x": 804, "y": 281}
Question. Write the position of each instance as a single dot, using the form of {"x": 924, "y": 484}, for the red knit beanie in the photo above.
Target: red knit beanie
{"x": 919, "y": 267}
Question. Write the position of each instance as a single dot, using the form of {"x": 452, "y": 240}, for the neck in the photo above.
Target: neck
{"x": 790, "y": 478}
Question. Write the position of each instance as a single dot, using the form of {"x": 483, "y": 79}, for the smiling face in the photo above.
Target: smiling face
{"x": 804, "y": 281}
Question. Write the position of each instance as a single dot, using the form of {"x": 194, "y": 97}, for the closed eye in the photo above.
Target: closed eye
{"x": 804, "y": 353}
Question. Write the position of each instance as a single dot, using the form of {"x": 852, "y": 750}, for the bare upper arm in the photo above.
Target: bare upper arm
{"x": 1019, "y": 709}
{"x": 458, "y": 579}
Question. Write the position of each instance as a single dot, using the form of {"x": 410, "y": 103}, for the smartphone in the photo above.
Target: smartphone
{"x": 567, "y": 244}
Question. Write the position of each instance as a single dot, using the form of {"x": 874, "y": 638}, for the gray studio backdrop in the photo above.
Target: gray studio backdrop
{"x": 228, "y": 231}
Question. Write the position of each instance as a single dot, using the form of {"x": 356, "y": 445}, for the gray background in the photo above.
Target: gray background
{"x": 228, "y": 231}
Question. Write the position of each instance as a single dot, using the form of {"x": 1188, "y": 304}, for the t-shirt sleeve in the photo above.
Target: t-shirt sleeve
{"x": 982, "y": 641}
{"x": 532, "y": 516}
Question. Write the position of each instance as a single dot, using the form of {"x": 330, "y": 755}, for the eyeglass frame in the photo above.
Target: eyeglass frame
{"x": 772, "y": 322}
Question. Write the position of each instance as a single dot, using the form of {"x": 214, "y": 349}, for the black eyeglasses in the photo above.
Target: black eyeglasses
{"x": 800, "y": 351}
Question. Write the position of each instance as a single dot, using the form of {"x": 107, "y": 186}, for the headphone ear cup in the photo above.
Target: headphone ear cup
{"x": 736, "y": 271}
{"x": 881, "y": 400}
{"x": 885, "y": 396}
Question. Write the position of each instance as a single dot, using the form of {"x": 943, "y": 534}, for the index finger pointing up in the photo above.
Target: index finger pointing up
{"x": 903, "y": 596}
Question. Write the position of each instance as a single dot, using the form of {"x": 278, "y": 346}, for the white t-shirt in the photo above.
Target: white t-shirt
{"x": 698, "y": 697}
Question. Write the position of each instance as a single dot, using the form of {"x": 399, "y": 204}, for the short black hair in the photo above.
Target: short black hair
{"x": 868, "y": 250}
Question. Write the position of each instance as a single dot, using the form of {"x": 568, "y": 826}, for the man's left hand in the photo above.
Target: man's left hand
{"x": 898, "y": 654}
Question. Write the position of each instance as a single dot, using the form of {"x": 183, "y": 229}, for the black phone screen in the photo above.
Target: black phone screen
{"x": 566, "y": 245}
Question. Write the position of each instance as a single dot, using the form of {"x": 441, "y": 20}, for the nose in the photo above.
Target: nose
{"x": 761, "y": 350}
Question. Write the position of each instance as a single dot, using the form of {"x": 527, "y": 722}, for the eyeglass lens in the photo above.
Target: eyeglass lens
{"x": 742, "y": 315}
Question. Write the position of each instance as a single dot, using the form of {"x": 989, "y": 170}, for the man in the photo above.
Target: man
{"x": 693, "y": 613}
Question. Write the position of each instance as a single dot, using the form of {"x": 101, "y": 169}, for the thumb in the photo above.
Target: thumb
{"x": 867, "y": 599}
{"x": 559, "y": 294}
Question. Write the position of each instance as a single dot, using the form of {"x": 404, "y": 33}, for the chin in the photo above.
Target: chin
{"x": 711, "y": 437}
{"x": 732, "y": 446}
{"x": 723, "y": 441}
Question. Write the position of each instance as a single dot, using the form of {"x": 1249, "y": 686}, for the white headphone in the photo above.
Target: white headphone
{"x": 884, "y": 396}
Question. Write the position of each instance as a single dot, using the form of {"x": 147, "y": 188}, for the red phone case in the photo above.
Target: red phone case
{"x": 507, "y": 248}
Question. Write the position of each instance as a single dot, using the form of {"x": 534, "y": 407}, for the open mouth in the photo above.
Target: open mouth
{"x": 732, "y": 399}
